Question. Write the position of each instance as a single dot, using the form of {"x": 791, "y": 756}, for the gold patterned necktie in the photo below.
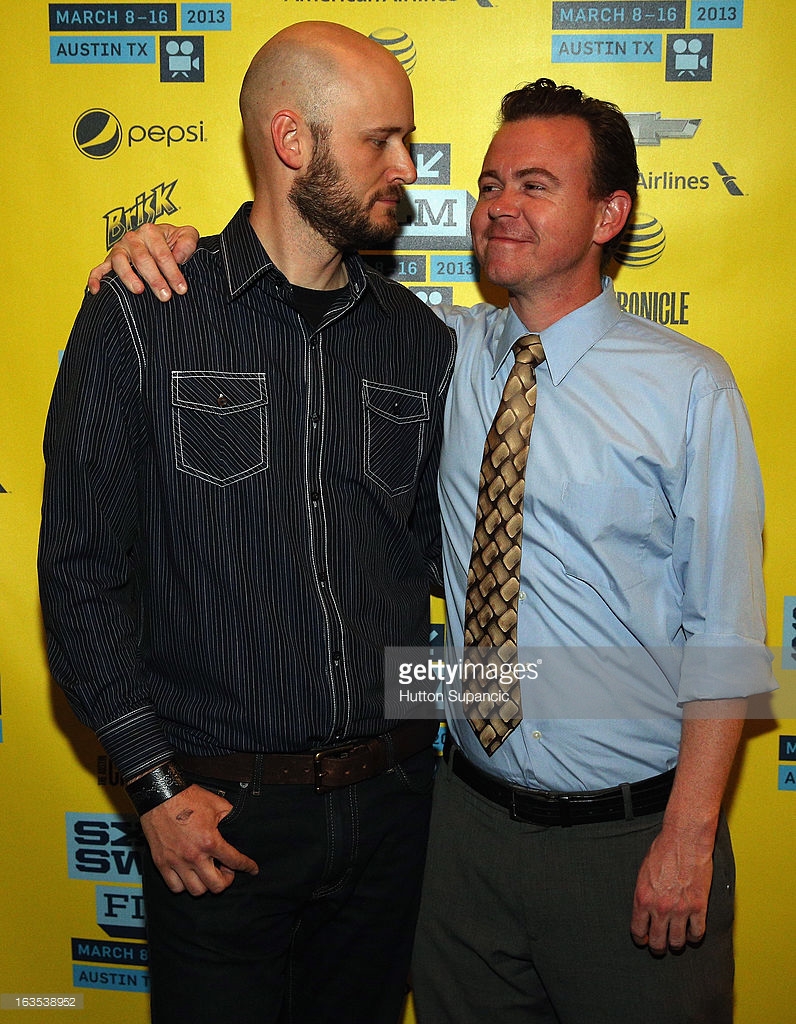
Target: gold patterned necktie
{"x": 493, "y": 582}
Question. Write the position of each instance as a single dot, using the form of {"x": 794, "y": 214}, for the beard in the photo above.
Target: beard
{"x": 328, "y": 205}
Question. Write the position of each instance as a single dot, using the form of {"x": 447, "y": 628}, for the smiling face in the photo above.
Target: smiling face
{"x": 537, "y": 228}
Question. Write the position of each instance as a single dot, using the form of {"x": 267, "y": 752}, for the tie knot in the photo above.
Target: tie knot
{"x": 528, "y": 349}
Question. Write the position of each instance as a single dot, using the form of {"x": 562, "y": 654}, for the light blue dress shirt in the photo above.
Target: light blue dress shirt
{"x": 641, "y": 542}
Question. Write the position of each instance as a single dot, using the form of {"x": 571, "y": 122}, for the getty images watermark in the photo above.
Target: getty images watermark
{"x": 584, "y": 682}
{"x": 471, "y": 680}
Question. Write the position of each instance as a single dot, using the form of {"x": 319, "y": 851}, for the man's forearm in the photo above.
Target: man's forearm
{"x": 673, "y": 886}
{"x": 710, "y": 735}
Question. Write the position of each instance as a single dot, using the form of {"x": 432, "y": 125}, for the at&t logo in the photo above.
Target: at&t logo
{"x": 399, "y": 44}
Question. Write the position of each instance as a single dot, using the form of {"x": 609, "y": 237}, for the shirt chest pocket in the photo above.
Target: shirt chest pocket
{"x": 607, "y": 529}
{"x": 395, "y": 425}
{"x": 220, "y": 424}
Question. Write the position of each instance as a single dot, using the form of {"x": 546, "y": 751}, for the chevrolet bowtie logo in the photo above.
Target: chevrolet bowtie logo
{"x": 648, "y": 128}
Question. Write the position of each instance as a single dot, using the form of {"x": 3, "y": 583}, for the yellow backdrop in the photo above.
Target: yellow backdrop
{"x": 118, "y": 113}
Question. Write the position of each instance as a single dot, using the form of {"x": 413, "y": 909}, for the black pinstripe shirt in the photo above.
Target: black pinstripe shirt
{"x": 240, "y": 512}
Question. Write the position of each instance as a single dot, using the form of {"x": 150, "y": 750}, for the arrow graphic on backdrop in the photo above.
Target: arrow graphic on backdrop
{"x": 426, "y": 167}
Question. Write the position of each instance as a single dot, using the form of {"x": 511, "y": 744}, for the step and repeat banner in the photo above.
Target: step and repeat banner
{"x": 120, "y": 113}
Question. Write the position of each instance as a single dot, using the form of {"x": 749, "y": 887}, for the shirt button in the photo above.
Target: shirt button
{"x": 522, "y": 595}
{"x": 536, "y": 734}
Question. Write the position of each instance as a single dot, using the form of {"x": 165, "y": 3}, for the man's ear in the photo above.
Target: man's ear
{"x": 615, "y": 211}
{"x": 288, "y": 138}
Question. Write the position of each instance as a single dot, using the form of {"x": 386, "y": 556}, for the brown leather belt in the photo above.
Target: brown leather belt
{"x": 540, "y": 807}
{"x": 324, "y": 769}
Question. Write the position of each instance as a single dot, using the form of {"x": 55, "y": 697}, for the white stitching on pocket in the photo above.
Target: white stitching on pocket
{"x": 220, "y": 424}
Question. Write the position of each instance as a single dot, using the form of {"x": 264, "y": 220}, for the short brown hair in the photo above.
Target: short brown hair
{"x": 614, "y": 164}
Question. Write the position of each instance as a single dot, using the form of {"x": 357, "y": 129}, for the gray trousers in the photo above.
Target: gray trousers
{"x": 522, "y": 924}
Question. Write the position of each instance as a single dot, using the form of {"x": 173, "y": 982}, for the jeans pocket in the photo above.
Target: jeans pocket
{"x": 417, "y": 772}
{"x": 220, "y": 424}
{"x": 233, "y": 792}
{"x": 396, "y": 421}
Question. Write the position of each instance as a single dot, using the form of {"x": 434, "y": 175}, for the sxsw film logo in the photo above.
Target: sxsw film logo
{"x": 104, "y": 847}
{"x": 432, "y": 161}
{"x": 182, "y": 59}
{"x": 120, "y": 911}
{"x": 435, "y": 219}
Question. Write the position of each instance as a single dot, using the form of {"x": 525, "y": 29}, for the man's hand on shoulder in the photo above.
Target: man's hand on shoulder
{"x": 186, "y": 846}
{"x": 153, "y": 251}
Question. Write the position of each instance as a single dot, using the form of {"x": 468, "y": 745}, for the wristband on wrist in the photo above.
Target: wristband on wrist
{"x": 155, "y": 787}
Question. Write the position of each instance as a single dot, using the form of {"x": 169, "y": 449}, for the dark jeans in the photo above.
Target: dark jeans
{"x": 323, "y": 933}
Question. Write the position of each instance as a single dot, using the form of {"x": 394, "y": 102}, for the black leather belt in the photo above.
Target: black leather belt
{"x": 539, "y": 807}
{"x": 325, "y": 769}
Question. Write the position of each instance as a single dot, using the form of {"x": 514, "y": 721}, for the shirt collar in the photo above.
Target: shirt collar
{"x": 569, "y": 338}
{"x": 246, "y": 261}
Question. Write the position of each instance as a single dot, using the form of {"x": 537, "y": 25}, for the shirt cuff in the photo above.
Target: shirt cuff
{"x": 718, "y": 667}
{"x": 136, "y": 743}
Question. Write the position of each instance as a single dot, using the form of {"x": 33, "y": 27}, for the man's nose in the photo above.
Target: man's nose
{"x": 503, "y": 206}
{"x": 403, "y": 169}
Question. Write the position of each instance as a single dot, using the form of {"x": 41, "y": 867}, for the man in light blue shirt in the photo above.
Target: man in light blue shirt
{"x": 621, "y": 551}
{"x": 591, "y": 834}
{"x": 552, "y": 860}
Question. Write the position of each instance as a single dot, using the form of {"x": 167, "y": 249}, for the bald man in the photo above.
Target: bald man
{"x": 239, "y": 515}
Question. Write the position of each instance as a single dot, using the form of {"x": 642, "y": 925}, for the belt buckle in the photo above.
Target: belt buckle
{"x": 516, "y": 811}
{"x": 336, "y": 752}
{"x": 556, "y": 802}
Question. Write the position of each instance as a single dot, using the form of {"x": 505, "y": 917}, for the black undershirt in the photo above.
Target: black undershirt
{"x": 313, "y": 304}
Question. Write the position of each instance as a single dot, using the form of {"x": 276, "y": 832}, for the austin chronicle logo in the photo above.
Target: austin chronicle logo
{"x": 97, "y": 133}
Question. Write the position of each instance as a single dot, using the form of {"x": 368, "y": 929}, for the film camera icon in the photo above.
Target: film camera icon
{"x": 180, "y": 59}
{"x": 688, "y": 57}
